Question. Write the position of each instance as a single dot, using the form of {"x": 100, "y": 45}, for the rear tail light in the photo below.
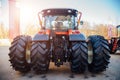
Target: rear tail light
{"x": 74, "y": 32}
{"x": 44, "y": 32}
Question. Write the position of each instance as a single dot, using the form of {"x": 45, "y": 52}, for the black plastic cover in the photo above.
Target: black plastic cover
{"x": 59, "y": 11}
{"x": 41, "y": 37}
{"x": 77, "y": 37}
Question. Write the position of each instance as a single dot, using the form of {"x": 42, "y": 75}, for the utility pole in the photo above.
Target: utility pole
{"x": 14, "y": 19}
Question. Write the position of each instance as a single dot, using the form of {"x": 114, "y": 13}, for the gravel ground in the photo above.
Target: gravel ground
{"x": 55, "y": 73}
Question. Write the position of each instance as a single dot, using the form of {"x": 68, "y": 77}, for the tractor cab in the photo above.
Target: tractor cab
{"x": 118, "y": 30}
{"x": 59, "y": 19}
{"x": 115, "y": 42}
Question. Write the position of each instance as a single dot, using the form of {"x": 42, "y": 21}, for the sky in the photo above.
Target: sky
{"x": 93, "y": 11}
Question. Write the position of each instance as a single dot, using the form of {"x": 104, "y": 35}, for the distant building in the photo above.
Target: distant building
{"x": 4, "y": 13}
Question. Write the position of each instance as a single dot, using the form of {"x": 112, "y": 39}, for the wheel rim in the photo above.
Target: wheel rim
{"x": 90, "y": 52}
{"x": 117, "y": 51}
{"x": 28, "y": 46}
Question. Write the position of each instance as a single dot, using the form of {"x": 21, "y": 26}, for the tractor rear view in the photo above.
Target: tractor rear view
{"x": 115, "y": 42}
{"x": 59, "y": 41}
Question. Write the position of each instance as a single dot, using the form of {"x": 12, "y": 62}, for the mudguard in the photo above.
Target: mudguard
{"x": 77, "y": 37}
{"x": 41, "y": 37}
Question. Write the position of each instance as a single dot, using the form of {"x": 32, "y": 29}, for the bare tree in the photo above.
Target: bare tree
{"x": 3, "y": 31}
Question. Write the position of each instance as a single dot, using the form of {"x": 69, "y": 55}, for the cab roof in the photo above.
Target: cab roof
{"x": 59, "y": 11}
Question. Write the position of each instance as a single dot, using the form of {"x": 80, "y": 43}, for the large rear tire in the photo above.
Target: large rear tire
{"x": 79, "y": 57}
{"x": 18, "y": 53}
{"x": 101, "y": 54}
{"x": 40, "y": 57}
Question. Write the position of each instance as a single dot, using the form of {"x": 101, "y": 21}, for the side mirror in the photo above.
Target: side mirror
{"x": 81, "y": 22}
{"x": 118, "y": 30}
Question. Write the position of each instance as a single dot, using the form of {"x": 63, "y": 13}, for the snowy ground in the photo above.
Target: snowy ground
{"x": 61, "y": 73}
{"x": 4, "y": 42}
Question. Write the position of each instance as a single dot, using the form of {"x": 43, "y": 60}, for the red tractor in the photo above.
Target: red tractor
{"x": 115, "y": 42}
{"x": 59, "y": 41}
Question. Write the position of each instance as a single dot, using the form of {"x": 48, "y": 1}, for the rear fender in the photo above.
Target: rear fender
{"x": 41, "y": 37}
{"x": 77, "y": 37}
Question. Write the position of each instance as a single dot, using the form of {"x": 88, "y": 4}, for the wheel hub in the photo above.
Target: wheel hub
{"x": 90, "y": 52}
